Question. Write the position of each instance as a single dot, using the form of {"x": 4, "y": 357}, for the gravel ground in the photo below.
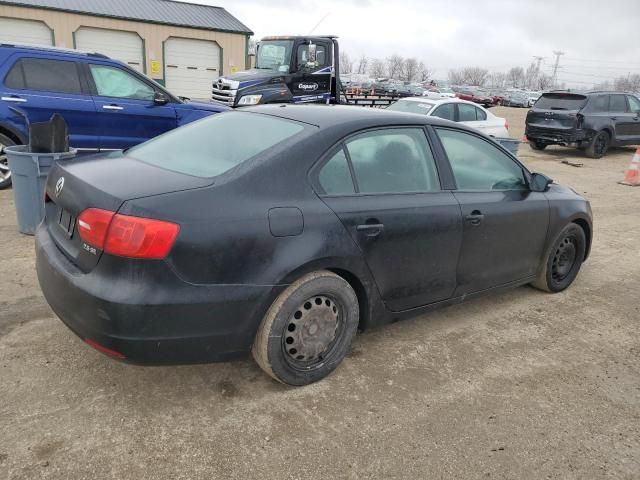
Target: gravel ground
{"x": 517, "y": 385}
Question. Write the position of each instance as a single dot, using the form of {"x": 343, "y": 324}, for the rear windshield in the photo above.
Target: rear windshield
{"x": 216, "y": 144}
{"x": 561, "y": 101}
{"x": 410, "y": 107}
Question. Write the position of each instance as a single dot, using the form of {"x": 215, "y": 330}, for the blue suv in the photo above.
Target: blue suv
{"x": 106, "y": 104}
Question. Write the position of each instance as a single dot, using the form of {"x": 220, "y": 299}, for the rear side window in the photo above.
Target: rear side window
{"x": 469, "y": 113}
{"x": 393, "y": 161}
{"x": 446, "y": 111}
{"x": 598, "y": 104}
{"x": 57, "y": 76}
{"x": 335, "y": 176}
{"x": 618, "y": 103}
{"x": 479, "y": 165}
{"x": 561, "y": 101}
{"x": 216, "y": 144}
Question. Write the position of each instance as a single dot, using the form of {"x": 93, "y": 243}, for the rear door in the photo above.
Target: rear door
{"x": 622, "y": 118}
{"x": 126, "y": 112}
{"x": 474, "y": 117}
{"x": 40, "y": 86}
{"x": 634, "y": 106}
{"x": 384, "y": 186}
{"x": 505, "y": 224}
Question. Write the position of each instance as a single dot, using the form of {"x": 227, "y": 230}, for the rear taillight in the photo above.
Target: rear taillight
{"x": 93, "y": 224}
{"x": 126, "y": 236}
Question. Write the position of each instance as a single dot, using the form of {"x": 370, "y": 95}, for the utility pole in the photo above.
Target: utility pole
{"x": 558, "y": 54}
{"x": 538, "y": 63}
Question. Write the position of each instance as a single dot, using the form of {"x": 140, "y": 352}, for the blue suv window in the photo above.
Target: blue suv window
{"x": 113, "y": 82}
{"x": 43, "y": 75}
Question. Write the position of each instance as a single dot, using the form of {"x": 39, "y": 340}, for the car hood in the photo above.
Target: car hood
{"x": 251, "y": 77}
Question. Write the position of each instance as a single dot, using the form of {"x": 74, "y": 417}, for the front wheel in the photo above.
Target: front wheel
{"x": 563, "y": 263}
{"x": 308, "y": 330}
{"x": 5, "y": 173}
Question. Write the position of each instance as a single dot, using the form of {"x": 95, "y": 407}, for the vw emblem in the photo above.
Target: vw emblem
{"x": 59, "y": 186}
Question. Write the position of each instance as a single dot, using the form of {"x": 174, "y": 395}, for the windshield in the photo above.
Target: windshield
{"x": 561, "y": 101}
{"x": 411, "y": 107}
{"x": 216, "y": 144}
{"x": 275, "y": 55}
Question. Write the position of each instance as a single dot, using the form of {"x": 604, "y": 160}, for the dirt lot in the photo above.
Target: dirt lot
{"x": 518, "y": 385}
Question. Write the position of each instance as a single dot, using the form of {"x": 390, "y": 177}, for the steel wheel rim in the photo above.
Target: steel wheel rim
{"x": 5, "y": 173}
{"x": 312, "y": 332}
{"x": 564, "y": 259}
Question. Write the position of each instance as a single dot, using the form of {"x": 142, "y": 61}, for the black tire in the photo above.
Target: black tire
{"x": 5, "y": 173}
{"x": 599, "y": 145}
{"x": 537, "y": 145}
{"x": 308, "y": 330}
{"x": 563, "y": 261}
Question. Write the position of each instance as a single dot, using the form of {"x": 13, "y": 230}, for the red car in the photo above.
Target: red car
{"x": 476, "y": 97}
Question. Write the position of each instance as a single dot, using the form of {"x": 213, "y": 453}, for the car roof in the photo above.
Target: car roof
{"x": 325, "y": 116}
{"x": 45, "y": 48}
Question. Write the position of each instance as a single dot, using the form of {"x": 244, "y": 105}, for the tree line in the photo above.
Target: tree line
{"x": 413, "y": 70}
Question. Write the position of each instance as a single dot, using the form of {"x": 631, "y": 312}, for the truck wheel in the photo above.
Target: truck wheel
{"x": 564, "y": 260}
{"x": 599, "y": 145}
{"x": 5, "y": 173}
{"x": 537, "y": 145}
{"x": 308, "y": 330}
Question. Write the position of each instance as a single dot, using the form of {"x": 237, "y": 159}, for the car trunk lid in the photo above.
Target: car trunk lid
{"x": 102, "y": 182}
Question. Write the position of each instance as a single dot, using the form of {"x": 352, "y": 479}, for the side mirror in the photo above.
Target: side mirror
{"x": 539, "y": 182}
{"x": 312, "y": 53}
{"x": 160, "y": 98}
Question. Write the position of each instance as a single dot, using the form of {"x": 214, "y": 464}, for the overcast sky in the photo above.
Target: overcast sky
{"x": 600, "y": 38}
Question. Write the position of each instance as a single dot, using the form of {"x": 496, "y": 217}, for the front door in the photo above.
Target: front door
{"x": 505, "y": 224}
{"x": 384, "y": 187}
{"x": 312, "y": 80}
{"x": 38, "y": 87}
{"x": 125, "y": 108}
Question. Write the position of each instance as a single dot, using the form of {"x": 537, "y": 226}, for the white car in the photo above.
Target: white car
{"x": 439, "y": 92}
{"x": 456, "y": 110}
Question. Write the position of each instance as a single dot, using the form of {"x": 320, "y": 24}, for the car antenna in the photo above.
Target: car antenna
{"x": 318, "y": 24}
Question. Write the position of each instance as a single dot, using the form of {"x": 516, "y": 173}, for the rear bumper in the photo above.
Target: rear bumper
{"x": 150, "y": 324}
{"x": 557, "y": 136}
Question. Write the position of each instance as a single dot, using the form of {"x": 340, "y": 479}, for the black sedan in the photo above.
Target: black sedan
{"x": 282, "y": 230}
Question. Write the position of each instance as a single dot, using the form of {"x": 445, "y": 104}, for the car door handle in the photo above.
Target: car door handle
{"x": 371, "y": 229}
{"x": 475, "y": 218}
{"x": 14, "y": 99}
{"x": 112, "y": 107}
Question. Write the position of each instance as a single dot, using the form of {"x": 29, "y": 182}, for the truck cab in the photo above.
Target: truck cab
{"x": 287, "y": 70}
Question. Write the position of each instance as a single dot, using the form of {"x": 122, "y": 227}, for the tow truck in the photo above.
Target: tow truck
{"x": 290, "y": 69}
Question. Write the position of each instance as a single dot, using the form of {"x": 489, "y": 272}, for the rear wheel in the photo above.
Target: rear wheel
{"x": 308, "y": 330}
{"x": 599, "y": 145}
{"x": 5, "y": 173}
{"x": 564, "y": 260}
{"x": 537, "y": 145}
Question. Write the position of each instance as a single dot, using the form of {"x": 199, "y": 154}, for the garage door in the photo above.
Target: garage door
{"x": 124, "y": 46}
{"x": 24, "y": 31}
{"x": 191, "y": 66}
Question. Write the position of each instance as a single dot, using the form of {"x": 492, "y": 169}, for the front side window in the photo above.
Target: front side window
{"x": 634, "y": 103}
{"x": 618, "y": 104}
{"x": 116, "y": 83}
{"x": 57, "y": 76}
{"x": 479, "y": 165}
{"x": 216, "y": 144}
{"x": 304, "y": 57}
{"x": 393, "y": 161}
{"x": 446, "y": 111}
